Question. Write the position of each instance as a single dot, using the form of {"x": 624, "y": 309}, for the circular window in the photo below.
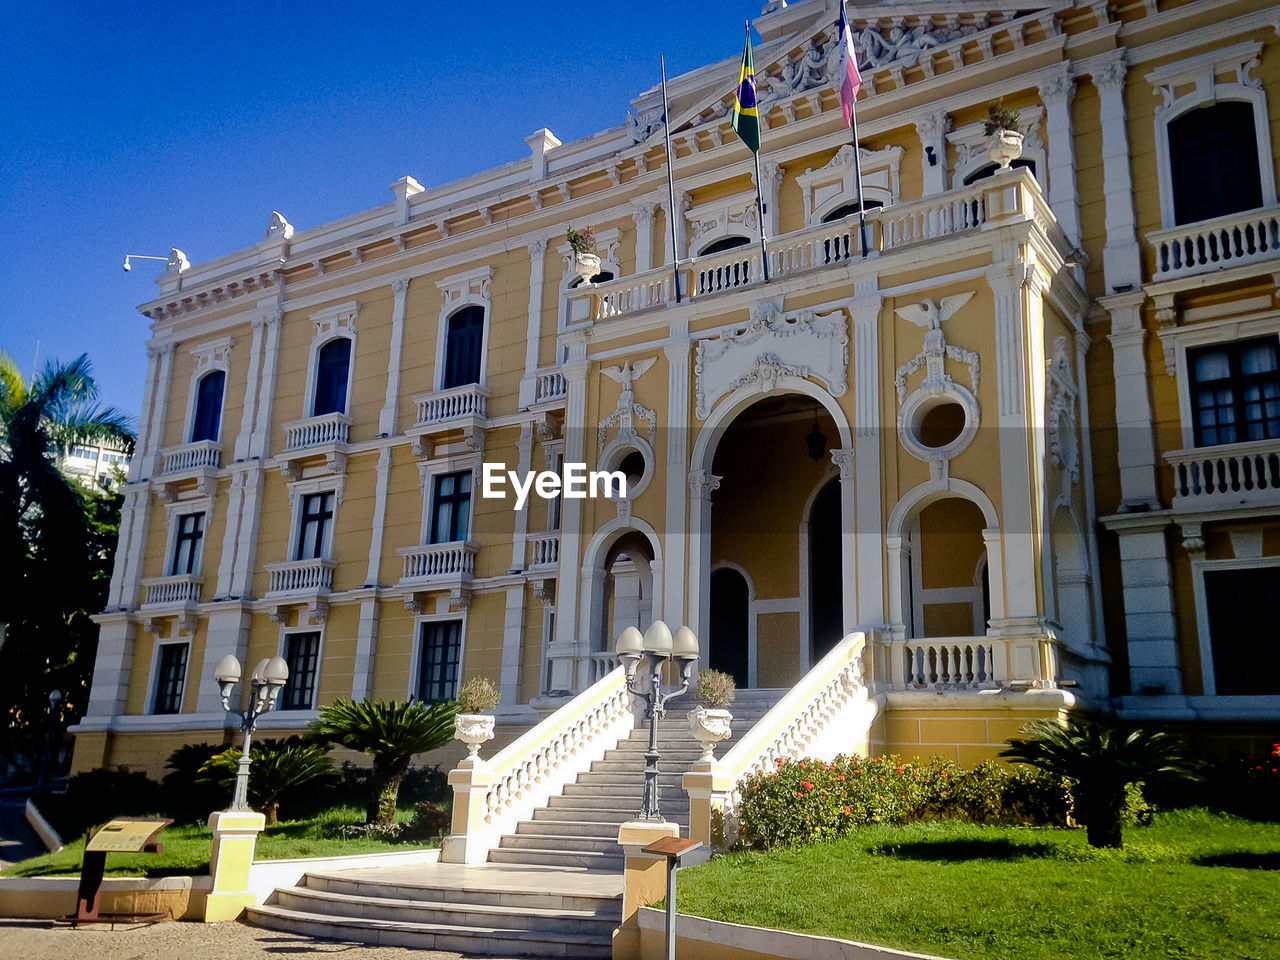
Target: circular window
{"x": 631, "y": 458}
{"x": 633, "y": 466}
{"x": 941, "y": 425}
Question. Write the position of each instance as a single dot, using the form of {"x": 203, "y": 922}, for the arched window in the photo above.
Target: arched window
{"x": 463, "y": 344}
{"x": 1213, "y": 159}
{"x": 991, "y": 168}
{"x": 208, "y": 412}
{"x": 724, "y": 243}
{"x": 849, "y": 209}
{"x": 332, "y": 368}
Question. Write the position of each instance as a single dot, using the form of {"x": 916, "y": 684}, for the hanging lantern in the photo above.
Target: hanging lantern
{"x": 816, "y": 440}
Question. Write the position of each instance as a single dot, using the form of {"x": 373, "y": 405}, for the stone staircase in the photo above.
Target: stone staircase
{"x": 551, "y": 888}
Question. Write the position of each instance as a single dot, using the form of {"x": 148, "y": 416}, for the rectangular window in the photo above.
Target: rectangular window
{"x": 1243, "y": 630}
{"x": 313, "y": 531}
{"x": 1235, "y": 392}
{"x": 438, "y": 665}
{"x": 171, "y": 674}
{"x": 186, "y": 545}
{"x": 451, "y": 507}
{"x": 302, "y": 654}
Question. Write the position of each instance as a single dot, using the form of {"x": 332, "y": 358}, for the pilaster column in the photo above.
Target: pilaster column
{"x": 864, "y": 523}
{"x": 682, "y": 205}
{"x": 1150, "y": 628}
{"x": 235, "y": 506}
{"x": 564, "y": 648}
{"x": 844, "y": 459}
{"x": 524, "y": 446}
{"x": 702, "y": 483}
{"x": 382, "y": 480}
{"x": 512, "y": 641}
{"x": 145, "y": 419}
{"x": 771, "y": 173}
{"x": 1090, "y": 500}
{"x": 642, "y": 214}
{"x": 387, "y": 416}
{"x": 1056, "y": 94}
{"x": 247, "y": 538}
{"x": 1136, "y": 449}
{"x": 677, "y": 465}
{"x": 533, "y": 336}
{"x": 260, "y": 441}
{"x": 226, "y": 631}
{"x": 150, "y": 454}
{"x": 123, "y": 591}
{"x": 1121, "y": 259}
{"x": 111, "y": 668}
{"x": 932, "y": 129}
{"x": 250, "y": 407}
{"x": 367, "y": 649}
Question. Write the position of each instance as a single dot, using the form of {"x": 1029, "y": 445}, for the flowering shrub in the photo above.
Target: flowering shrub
{"x": 801, "y": 801}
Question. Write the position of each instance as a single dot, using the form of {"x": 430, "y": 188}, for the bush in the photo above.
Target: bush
{"x": 279, "y": 769}
{"x": 715, "y": 688}
{"x": 478, "y": 695}
{"x": 805, "y": 800}
{"x": 429, "y": 821}
{"x": 97, "y": 796}
{"x": 185, "y": 797}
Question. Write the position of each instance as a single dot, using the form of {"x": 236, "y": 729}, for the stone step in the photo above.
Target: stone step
{"x": 629, "y": 788}
{"x": 618, "y": 779}
{"x": 567, "y": 842}
{"x": 607, "y": 802}
{"x": 558, "y": 858}
{"x": 495, "y": 894}
{"x": 560, "y": 828}
{"x": 490, "y": 941}
{"x": 487, "y": 916}
{"x": 614, "y": 762}
{"x": 672, "y": 812}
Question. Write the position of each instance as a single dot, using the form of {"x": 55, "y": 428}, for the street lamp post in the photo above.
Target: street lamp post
{"x": 659, "y": 646}
{"x": 268, "y": 680}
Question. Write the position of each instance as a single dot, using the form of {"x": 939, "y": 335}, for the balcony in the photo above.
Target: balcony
{"x": 1226, "y": 477}
{"x": 1009, "y": 197}
{"x": 201, "y": 455}
{"x": 325, "y": 435}
{"x": 944, "y": 664}
{"x": 445, "y": 411}
{"x": 544, "y": 550}
{"x": 439, "y": 562}
{"x": 300, "y": 577}
{"x": 549, "y": 387}
{"x": 1235, "y": 240}
{"x": 175, "y": 596}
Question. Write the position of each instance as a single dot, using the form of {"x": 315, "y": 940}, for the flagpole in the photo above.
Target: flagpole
{"x": 764, "y": 255}
{"x": 857, "y": 179}
{"x": 671, "y": 186}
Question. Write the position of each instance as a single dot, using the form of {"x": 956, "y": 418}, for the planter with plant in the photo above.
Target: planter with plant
{"x": 474, "y": 723}
{"x": 586, "y": 262}
{"x": 1004, "y": 140}
{"x": 709, "y": 721}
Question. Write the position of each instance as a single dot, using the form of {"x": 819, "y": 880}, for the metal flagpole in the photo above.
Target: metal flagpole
{"x": 764, "y": 255}
{"x": 857, "y": 178}
{"x": 671, "y": 186}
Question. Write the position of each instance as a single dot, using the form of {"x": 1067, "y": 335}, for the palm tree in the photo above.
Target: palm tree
{"x": 277, "y": 767}
{"x": 50, "y": 531}
{"x": 391, "y": 733}
{"x": 1102, "y": 761}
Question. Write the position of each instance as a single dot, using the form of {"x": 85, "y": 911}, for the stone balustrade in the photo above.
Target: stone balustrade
{"x": 443, "y": 406}
{"x": 316, "y": 431}
{"x": 549, "y": 385}
{"x": 544, "y": 549}
{"x": 1230, "y": 475}
{"x": 202, "y": 454}
{"x": 600, "y": 665}
{"x": 491, "y": 797}
{"x": 439, "y": 561}
{"x": 943, "y": 664}
{"x": 179, "y": 590}
{"x": 301, "y": 576}
{"x": 1230, "y": 241}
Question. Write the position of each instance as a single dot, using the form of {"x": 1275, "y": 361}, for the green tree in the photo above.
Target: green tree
{"x": 56, "y": 537}
{"x": 391, "y": 733}
{"x": 277, "y": 767}
{"x": 1101, "y": 760}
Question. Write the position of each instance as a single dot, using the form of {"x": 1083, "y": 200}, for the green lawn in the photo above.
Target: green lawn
{"x": 186, "y": 848}
{"x": 1192, "y": 885}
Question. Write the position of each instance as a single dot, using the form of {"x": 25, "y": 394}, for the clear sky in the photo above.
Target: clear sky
{"x": 136, "y": 127}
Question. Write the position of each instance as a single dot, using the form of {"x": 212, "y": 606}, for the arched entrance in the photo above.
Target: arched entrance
{"x": 730, "y": 639}
{"x": 826, "y": 609}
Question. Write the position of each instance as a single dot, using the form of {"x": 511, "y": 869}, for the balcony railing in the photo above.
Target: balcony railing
{"x": 301, "y": 576}
{"x": 1009, "y": 196}
{"x": 454, "y": 404}
{"x": 315, "y": 431}
{"x": 439, "y": 561}
{"x": 598, "y": 666}
{"x": 1230, "y": 241}
{"x": 203, "y": 454}
{"x": 180, "y": 590}
{"x": 544, "y": 549}
{"x": 1231, "y": 475}
{"x": 549, "y": 386}
{"x": 971, "y": 663}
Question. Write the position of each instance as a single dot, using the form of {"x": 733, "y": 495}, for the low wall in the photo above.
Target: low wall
{"x": 50, "y": 837}
{"x": 716, "y": 940}
{"x": 47, "y": 898}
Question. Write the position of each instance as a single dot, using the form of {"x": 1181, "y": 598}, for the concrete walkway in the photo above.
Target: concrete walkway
{"x": 17, "y": 840}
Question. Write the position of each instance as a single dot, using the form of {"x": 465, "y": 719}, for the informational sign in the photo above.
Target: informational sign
{"x": 125, "y": 835}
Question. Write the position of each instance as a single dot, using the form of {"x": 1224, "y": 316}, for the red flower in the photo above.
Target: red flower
{"x": 807, "y": 785}
{"x": 755, "y": 786}
{"x": 897, "y": 770}
{"x": 839, "y": 776}
{"x": 848, "y": 810}
{"x": 797, "y": 793}
{"x": 882, "y": 781}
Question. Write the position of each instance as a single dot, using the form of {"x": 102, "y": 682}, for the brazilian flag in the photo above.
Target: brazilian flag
{"x": 746, "y": 119}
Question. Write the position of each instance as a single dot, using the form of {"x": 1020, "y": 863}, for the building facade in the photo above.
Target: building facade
{"x": 1029, "y": 443}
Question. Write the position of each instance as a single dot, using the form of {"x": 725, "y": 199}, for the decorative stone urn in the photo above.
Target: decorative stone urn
{"x": 709, "y": 727}
{"x": 1004, "y": 146}
{"x": 473, "y": 729}
{"x": 586, "y": 265}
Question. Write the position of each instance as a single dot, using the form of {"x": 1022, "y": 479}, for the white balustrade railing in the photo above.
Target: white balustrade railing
{"x": 1230, "y": 241}
{"x": 1235, "y": 474}
{"x": 544, "y": 549}
{"x": 600, "y": 665}
{"x": 301, "y": 576}
{"x": 724, "y": 271}
{"x": 549, "y": 386}
{"x": 629, "y": 294}
{"x": 951, "y": 664}
{"x": 178, "y": 590}
{"x": 452, "y": 404}
{"x": 941, "y": 216}
{"x": 445, "y": 561}
{"x": 192, "y": 456}
{"x": 491, "y": 797}
{"x": 314, "y": 431}
{"x": 826, "y": 714}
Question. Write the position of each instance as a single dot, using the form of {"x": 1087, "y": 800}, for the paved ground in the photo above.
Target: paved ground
{"x": 42, "y": 940}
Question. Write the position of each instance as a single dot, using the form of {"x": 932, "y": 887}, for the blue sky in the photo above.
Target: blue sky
{"x": 136, "y": 127}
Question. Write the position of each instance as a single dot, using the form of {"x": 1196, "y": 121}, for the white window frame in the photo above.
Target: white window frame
{"x": 415, "y": 658}
{"x": 835, "y": 184}
{"x": 467, "y": 289}
{"x": 1177, "y": 340}
{"x": 609, "y": 241}
{"x": 428, "y": 470}
{"x": 173, "y": 511}
{"x": 733, "y": 216}
{"x": 281, "y": 649}
{"x": 209, "y": 357}
{"x": 1199, "y": 567}
{"x": 1202, "y": 72}
{"x": 301, "y": 488}
{"x": 330, "y": 323}
{"x": 971, "y": 147}
{"x": 153, "y": 684}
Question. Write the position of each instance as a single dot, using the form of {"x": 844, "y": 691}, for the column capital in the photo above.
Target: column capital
{"x": 702, "y": 483}
{"x": 537, "y": 248}
{"x": 642, "y": 212}
{"x": 1058, "y": 89}
{"x": 843, "y": 458}
{"x": 1111, "y": 72}
{"x": 932, "y": 126}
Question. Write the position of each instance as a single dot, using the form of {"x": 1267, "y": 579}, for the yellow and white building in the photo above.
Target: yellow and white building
{"x": 1029, "y": 444}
